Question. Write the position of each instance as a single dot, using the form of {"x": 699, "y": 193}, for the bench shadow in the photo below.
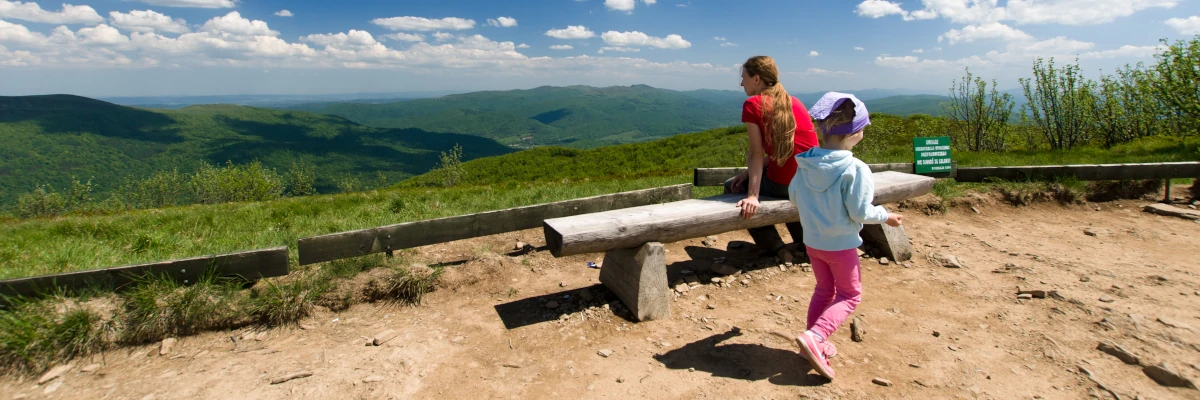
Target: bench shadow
{"x": 532, "y": 310}
{"x": 750, "y": 362}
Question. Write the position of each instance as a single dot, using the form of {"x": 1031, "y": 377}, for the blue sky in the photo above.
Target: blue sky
{"x": 214, "y": 47}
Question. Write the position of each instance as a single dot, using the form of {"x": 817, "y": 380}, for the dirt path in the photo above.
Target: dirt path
{"x": 933, "y": 332}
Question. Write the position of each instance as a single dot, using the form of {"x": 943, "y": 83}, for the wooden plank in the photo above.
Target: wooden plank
{"x": 250, "y": 265}
{"x": 717, "y": 176}
{"x": 1087, "y": 172}
{"x": 687, "y": 219}
{"x": 420, "y": 233}
{"x": 638, "y": 276}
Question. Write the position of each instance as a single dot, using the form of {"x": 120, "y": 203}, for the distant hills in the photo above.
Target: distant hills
{"x": 270, "y": 100}
{"x": 583, "y": 116}
{"x": 52, "y": 138}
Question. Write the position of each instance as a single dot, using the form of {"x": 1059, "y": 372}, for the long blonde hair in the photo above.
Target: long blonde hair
{"x": 777, "y": 107}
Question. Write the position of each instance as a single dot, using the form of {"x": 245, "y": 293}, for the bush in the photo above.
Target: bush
{"x": 450, "y": 167}
{"x": 163, "y": 189}
{"x": 247, "y": 182}
{"x": 302, "y": 179}
{"x": 43, "y": 201}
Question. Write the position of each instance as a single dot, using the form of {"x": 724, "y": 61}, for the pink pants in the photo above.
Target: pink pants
{"x": 838, "y": 291}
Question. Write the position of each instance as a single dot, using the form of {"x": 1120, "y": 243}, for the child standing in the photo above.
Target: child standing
{"x": 833, "y": 192}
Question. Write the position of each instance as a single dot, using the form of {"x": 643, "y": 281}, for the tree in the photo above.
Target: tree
{"x": 1060, "y": 103}
{"x": 1178, "y": 83}
{"x": 450, "y": 166}
{"x": 980, "y": 116}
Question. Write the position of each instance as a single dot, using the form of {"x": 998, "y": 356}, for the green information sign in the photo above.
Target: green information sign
{"x": 932, "y": 155}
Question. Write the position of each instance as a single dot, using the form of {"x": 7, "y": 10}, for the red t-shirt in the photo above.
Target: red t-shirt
{"x": 803, "y": 139}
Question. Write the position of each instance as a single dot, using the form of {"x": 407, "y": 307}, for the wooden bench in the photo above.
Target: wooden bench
{"x": 632, "y": 238}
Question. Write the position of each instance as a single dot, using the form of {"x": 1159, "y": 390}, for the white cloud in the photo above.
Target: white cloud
{"x": 571, "y": 32}
{"x": 918, "y": 51}
{"x": 813, "y": 53}
{"x": 977, "y": 12}
{"x": 32, "y": 12}
{"x": 728, "y": 44}
{"x": 1021, "y": 54}
{"x": 233, "y": 23}
{"x": 879, "y": 8}
{"x": 1124, "y": 51}
{"x": 522, "y": 46}
{"x": 443, "y": 36}
{"x": 859, "y": 48}
{"x": 818, "y": 71}
{"x": 561, "y": 47}
{"x": 718, "y": 38}
{"x": 638, "y": 39}
{"x": 1189, "y": 26}
{"x": 625, "y": 5}
{"x": 17, "y": 33}
{"x": 405, "y": 37}
{"x": 147, "y": 21}
{"x": 504, "y": 22}
{"x": 193, "y": 3}
{"x": 284, "y": 13}
{"x": 102, "y": 34}
{"x": 354, "y": 38}
{"x": 621, "y": 49}
{"x": 988, "y": 31}
{"x": 424, "y": 24}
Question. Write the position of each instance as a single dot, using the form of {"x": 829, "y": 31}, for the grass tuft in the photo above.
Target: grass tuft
{"x": 160, "y": 307}
{"x": 37, "y": 334}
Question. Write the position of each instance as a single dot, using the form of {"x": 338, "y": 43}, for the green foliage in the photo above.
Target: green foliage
{"x": 248, "y": 182}
{"x": 51, "y": 139}
{"x": 165, "y": 188}
{"x": 1178, "y": 83}
{"x": 158, "y": 307}
{"x": 43, "y": 201}
{"x": 348, "y": 183}
{"x": 302, "y": 179}
{"x": 450, "y": 167}
{"x": 1060, "y": 103}
{"x": 35, "y": 335}
{"x": 980, "y": 118}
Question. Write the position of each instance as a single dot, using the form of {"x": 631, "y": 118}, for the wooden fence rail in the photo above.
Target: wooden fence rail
{"x": 1085, "y": 172}
{"x": 361, "y": 242}
{"x": 250, "y": 265}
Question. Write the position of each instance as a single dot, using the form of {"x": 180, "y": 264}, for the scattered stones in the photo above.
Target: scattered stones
{"x": 947, "y": 260}
{"x": 858, "y": 329}
{"x": 372, "y": 379}
{"x": 605, "y": 353}
{"x": 1106, "y": 299}
{"x": 881, "y": 382}
{"x": 1166, "y": 376}
{"x": 166, "y": 346}
{"x": 288, "y": 377}
{"x": 551, "y": 304}
{"x": 710, "y": 241}
{"x": 53, "y": 373}
{"x": 717, "y": 280}
{"x": 1119, "y": 352}
{"x": 90, "y": 368}
{"x": 383, "y": 337}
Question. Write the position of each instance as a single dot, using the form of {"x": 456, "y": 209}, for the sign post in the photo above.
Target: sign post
{"x": 931, "y": 155}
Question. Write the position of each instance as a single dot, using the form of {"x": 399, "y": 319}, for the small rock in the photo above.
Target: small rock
{"x": 519, "y": 245}
{"x": 1091, "y": 232}
{"x": 881, "y": 382}
{"x": 90, "y": 368}
{"x": 681, "y": 288}
{"x": 605, "y": 353}
{"x": 166, "y": 346}
{"x": 691, "y": 369}
{"x": 1166, "y": 376}
{"x": 716, "y": 280}
{"x": 1174, "y": 324}
{"x": 620, "y": 379}
{"x": 1119, "y": 352}
{"x": 858, "y": 329}
{"x": 53, "y": 373}
{"x": 915, "y": 365}
{"x": 1106, "y": 299}
{"x": 52, "y": 387}
{"x": 288, "y": 377}
{"x": 883, "y": 261}
{"x": 383, "y": 337}
{"x": 562, "y": 284}
{"x": 1024, "y": 296}
{"x": 937, "y": 334}
{"x": 1041, "y": 294}
{"x": 952, "y": 348}
{"x": 691, "y": 280}
{"x": 551, "y": 304}
{"x": 947, "y": 260}
{"x": 702, "y": 298}
{"x": 372, "y": 379}
{"x": 710, "y": 241}
{"x": 976, "y": 210}
{"x": 1085, "y": 278}
{"x": 710, "y": 307}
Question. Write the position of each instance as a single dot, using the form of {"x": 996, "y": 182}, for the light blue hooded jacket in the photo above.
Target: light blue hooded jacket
{"x": 833, "y": 191}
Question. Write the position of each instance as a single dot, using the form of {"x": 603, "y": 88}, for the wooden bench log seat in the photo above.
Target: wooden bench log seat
{"x": 634, "y": 264}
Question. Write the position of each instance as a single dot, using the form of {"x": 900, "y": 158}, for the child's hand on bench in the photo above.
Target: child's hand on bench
{"x": 894, "y": 219}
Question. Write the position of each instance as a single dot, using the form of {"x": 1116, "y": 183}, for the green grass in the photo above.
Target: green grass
{"x": 35, "y": 335}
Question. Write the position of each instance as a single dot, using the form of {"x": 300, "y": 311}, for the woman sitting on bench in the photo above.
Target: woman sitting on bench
{"x": 772, "y": 117}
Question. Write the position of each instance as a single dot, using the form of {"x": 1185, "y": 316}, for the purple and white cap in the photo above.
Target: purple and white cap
{"x": 831, "y": 101}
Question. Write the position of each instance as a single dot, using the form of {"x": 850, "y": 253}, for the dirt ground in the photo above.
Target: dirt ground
{"x": 1121, "y": 275}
